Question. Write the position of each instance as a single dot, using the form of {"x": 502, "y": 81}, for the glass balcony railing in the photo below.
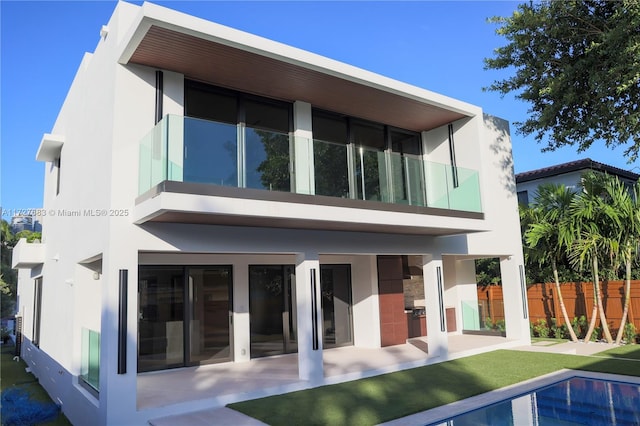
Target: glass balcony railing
{"x": 90, "y": 363}
{"x": 193, "y": 150}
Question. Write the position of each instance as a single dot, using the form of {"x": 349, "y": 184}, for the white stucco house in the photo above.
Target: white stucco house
{"x": 215, "y": 200}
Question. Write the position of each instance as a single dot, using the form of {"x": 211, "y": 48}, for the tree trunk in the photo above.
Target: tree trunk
{"x": 627, "y": 299}
{"x": 594, "y": 311}
{"x": 603, "y": 317}
{"x": 563, "y": 309}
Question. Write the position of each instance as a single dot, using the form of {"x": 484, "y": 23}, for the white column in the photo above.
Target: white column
{"x": 514, "y": 293}
{"x": 434, "y": 300}
{"x": 309, "y": 314}
{"x": 303, "y": 148}
{"x": 366, "y": 306}
{"x": 241, "y": 325}
{"x": 118, "y": 390}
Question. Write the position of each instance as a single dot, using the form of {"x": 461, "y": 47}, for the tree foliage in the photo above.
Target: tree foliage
{"x": 577, "y": 63}
{"x": 488, "y": 271}
{"x": 595, "y": 230}
{"x": 8, "y": 278}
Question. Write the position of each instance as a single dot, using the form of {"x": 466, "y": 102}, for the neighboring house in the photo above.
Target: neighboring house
{"x": 568, "y": 174}
{"x": 240, "y": 199}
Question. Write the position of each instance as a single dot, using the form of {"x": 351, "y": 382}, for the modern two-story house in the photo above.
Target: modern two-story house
{"x": 219, "y": 206}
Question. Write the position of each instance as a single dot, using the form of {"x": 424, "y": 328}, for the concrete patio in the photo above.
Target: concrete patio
{"x": 191, "y": 390}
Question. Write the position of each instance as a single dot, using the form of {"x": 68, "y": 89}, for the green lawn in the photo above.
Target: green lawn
{"x": 390, "y": 396}
{"x": 13, "y": 374}
{"x": 626, "y": 352}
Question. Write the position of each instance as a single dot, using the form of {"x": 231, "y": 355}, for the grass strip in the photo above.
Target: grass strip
{"x": 382, "y": 398}
{"x": 13, "y": 375}
{"x": 626, "y": 352}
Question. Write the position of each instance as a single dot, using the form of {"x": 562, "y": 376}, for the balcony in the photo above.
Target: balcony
{"x": 27, "y": 255}
{"x": 188, "y": 155}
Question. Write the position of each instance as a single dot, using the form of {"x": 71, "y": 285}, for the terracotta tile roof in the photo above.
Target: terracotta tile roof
{"x": 572, "y": 166}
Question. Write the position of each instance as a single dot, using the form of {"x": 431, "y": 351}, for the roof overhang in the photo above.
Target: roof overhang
{"x": 50, "y": 147}
{"x": 212, "y": 53}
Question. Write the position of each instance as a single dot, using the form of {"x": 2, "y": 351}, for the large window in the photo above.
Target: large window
{"x": 236, "y": 139}
{"x": 37, "y": 311}
{"x": 184, "y": 316}
{"x": 366, "y": 160}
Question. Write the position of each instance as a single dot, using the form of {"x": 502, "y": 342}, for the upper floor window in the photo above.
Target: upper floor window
{"x": 336, "y": 128}
{"x": 523, "y": 198}
{"x": 243, "y": 142}
{"x": 56, "y": 170}
{"x": 37, "y": 311}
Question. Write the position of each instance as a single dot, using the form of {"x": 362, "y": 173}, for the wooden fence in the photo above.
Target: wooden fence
{"x": 578, "y": 299}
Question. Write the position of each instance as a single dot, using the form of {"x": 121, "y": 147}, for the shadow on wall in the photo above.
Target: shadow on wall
{"x": 501, "y": 149}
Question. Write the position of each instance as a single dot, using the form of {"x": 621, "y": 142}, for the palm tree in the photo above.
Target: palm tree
{"x": 628, "y": 207}
{"x": 547, "y": 238}
{"x": 593, "y": 222}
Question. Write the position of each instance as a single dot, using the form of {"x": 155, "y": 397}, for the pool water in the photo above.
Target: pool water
{"x": 576, "y": 401}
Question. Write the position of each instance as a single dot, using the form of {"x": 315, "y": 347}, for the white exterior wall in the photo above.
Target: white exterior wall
{"x": 570, "y": 180}
{"x": 109, "y": 109}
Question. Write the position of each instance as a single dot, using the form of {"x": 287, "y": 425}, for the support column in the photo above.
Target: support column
{"x": 434, "y": 297}
{"x": 514, "y": 293}
{"x": 308, "y": 303}
{"x": 303, "y": 149}
{"x": 241, "y": 320}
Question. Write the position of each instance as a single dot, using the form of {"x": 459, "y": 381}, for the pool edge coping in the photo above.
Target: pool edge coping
{"x": 444, "y": 412}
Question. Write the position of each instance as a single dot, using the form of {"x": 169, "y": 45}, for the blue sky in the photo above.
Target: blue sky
{"x": 435, "y": 45}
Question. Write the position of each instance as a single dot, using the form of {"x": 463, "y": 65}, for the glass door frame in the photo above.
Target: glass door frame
{"x": 189, "y": 309}
{"x": 187, "y": 297}
{"x": 288, "y": 314}
{"x": 350, "y": 342}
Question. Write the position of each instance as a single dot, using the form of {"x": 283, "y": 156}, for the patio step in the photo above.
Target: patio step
{"x": 219, "y": 416}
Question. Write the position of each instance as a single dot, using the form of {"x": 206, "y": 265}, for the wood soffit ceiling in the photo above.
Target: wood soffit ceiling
{"x": 238, "y": 69}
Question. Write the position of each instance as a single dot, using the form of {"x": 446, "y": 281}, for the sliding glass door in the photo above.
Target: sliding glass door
{"x": 272, "y": 310}
{"x": 184, "y": 316}
{"x": 209, "y": 329}
{"x": 335, "y": 282}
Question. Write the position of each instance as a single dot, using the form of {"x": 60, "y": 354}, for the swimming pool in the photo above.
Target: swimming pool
{"x": 574, "y": 401}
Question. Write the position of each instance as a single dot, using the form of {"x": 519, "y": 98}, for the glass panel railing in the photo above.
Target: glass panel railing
{"x": 442, "y": 193}
{"x": 90, "y": 363}
{"x": 331, "y": 170}
{"x": 268, "y": 160}
{"x": 210, "y": 152}
{"x": 407, "y": 179}
{"x": 438, "y": 185}
{"x": 470, "y": 315}
{"x": 466, "y": 196}
{"x": 188, "y": 149}
{"x": 370, "y": 175}
{"x": 153, "y": 158}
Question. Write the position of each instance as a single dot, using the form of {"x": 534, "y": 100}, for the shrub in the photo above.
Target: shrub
{"x": 555, "y": 329}
{"x": 629, "y": 333}
{"x": 488, "y": 323}
{"x": 540, "y": 328}
{"x": 501, "y": 325}
{"x": 580, "y": 326}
